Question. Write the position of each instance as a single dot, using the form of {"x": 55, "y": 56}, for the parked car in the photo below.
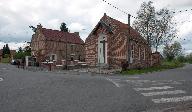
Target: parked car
{"x": 13, "y": 62}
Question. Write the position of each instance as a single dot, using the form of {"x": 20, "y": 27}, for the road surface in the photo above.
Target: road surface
{"x": 27, "y": 91}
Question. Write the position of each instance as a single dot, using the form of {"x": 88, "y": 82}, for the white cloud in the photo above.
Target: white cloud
{"x": 17, "y": 15}
{"x": 75, "y": 27}
{"x": 13, "y": 45}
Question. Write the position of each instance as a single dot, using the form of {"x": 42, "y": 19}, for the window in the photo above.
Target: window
{"x": 53, "y": 57}
{"x": 132, "y": 53}
{"x": 72, "y": 48}
{"x": 144, "y": 54}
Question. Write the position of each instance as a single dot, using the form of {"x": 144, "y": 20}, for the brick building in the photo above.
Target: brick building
{"x": 110, "y": 43}
{"x": 54, "y": 45}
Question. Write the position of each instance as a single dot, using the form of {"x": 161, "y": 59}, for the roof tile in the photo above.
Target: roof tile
{"x": 57, "y": 35}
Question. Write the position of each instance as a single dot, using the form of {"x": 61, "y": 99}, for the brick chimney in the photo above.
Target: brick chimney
{"x": 39, "y": 27}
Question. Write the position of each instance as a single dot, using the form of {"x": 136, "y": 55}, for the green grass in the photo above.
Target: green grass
{"x": 190, "y": 62}
{"x": 165, "y": 65}
{"x": 5, "y": 60}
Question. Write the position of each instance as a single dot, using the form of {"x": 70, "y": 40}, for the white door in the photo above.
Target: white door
{"x": 100, "y": 52}
{"x": 102, "y": 55}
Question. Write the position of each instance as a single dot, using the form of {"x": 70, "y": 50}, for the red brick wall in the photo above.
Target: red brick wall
{"x": 156, "y": 59}
{"x": 43, "y": 48}
{"x": 117, "y": 46}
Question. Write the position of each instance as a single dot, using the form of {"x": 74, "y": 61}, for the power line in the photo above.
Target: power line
{"x": 117, "y": 8}
{"x": 174, "y": 12}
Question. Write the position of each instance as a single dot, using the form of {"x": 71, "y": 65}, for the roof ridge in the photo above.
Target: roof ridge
{"x": 128, "y": 26}
{"x": 116, "y": 20}
{"x": 58, "y": 31}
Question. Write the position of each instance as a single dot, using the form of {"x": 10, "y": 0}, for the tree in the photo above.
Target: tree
{"x": 6, "y": 51}
{"x": 21, "y": 53}
{"x": 157, "y": 27}
{"x": 172, "y": 51}
{"x": 20, "y": 50}
{"x": 63, "y": 27}
{"x": 189, "y": 58}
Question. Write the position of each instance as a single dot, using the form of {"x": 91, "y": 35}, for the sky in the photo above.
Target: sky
{"x": 80, "y": 16}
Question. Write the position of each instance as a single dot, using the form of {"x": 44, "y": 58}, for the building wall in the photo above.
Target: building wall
{"x": 117, "y": 52}
{"x": 116, "y": 48}
{"x": 141, "y": 55}
{"x": 74, "y": 51}
{"x": 155, "y": 59}
{"x": 43, "y": 49}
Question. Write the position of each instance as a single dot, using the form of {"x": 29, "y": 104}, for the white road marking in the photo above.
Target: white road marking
{"x": 1, "y": 79}
{"x": 163, "y": 93}
{"x": 166, "y": 83}
{"x": 174, "y": 99}
{"x": 152, "y": 88}
{"x": 116, "y": 84}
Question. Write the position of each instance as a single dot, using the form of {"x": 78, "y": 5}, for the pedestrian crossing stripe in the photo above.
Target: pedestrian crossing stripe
{"x": 173, "y": 99}
{"x": 153, "y": 88}
{"x": 164, "y": 93}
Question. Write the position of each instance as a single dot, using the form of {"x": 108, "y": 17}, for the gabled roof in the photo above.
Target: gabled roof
{"x": 121, "y": 26}
{"x": 104, "y": 25}
{"x": 56, "y": 35}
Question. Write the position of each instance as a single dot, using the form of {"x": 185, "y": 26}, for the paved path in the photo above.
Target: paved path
{"x": 27, "y": 91}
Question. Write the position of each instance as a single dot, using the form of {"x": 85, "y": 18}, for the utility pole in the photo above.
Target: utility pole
{"x": 128, "y": 39}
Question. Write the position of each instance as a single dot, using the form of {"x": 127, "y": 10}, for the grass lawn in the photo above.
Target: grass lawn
{"x": 5, "y": 60}
{"x": 165, "y": 65}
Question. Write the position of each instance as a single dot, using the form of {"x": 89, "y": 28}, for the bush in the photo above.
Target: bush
{"x": 5, "y": 60}
{"x": 124, "y": 65}
{"x": 181, "y": 59}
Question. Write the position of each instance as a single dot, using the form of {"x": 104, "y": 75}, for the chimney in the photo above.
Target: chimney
{"x": 77, "y": 33}
{"x": 105, "y": 14}
{"x": 39, "y": 27}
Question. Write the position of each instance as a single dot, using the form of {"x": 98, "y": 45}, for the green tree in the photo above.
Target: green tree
{"x": 172, "y": 51}
{"x": 157, "y": 27}
{"x": 21, "y": 53}
{"x": 63, "y": 27}
{"x": 189, "y": 58}
{"x": 20, "y": 50}
{"x": 6, "y": 51}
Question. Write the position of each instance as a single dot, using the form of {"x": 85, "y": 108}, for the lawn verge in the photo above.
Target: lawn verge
{"x": 164, "y": 66}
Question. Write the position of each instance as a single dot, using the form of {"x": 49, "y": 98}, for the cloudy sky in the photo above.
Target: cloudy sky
{"x": 79, "y": 15}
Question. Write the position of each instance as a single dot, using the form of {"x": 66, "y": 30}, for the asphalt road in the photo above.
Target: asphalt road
{"x": 27, "y": 91}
